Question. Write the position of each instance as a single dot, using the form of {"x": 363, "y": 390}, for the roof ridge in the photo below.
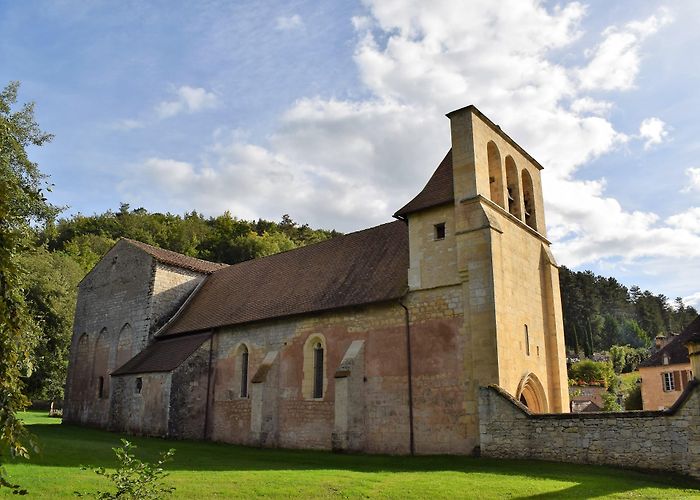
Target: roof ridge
{"x": 310, "y": 245}
{"x": 170, "y": 257}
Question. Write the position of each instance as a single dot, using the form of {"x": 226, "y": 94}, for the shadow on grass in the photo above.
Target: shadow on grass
{"x": 72, "y": 446}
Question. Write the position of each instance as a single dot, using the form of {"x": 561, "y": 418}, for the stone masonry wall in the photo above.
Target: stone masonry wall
{"x": 377, "y": 391}
{"x": 171, "y": 287}
{"x": 188, "y": 418}
{"x": 141, "y": 407}
{"x": 663, "y": 440}
{"x": 112, "y": 298}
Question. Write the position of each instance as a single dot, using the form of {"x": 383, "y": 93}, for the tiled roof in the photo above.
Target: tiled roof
{"x": 676, "y": 350}
{"x": 357, "y": 268}
{"x": 438, "y": 191}
{"x": 163, "y": 355}
{"x": 177, "y": 259}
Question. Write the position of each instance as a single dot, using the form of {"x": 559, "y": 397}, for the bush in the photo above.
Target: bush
{"x": 135, "y": 479}
{"x": 588, "y": 372}
{"x": 633, "y": 399}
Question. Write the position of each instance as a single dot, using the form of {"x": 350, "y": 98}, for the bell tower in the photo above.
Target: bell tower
{"x": 479, "y": 225}
{"x": 510, "y": 281}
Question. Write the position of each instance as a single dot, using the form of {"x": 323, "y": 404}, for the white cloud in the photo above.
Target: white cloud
{"x": 614, "y": 63}
{"x": 361, "y": 160}
{"x": 127, "y": 124}
{"x": 187, "y": 100}
{"x": 688, "y": 220}
{"x": 693, "y": 174}
{"x": 289, "y": 23}
{"x": 653, "y": 131}
{"x": 693, "y": 300}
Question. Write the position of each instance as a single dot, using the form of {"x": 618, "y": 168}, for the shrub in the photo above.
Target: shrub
{"x": 134, "y": 478}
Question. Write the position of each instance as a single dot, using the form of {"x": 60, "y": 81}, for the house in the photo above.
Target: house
{"x": 374, "y": 341}
{"x": 668, "y": 371}
{"x": 586, "y": 398}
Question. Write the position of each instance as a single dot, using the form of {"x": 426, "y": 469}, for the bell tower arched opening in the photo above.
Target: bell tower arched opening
{"x": 529, "y": 200}
{"x": 513, "y": 186}
{"x": 495, "y": 174}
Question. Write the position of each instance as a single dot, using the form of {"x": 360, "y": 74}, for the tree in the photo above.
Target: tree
{"x": 50, "y": 292}
{"x": 22, "y": 205}
{"x": 591, "y": 372}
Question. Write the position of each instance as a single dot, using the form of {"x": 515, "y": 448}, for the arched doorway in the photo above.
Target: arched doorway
{"x": 531, "y": 393}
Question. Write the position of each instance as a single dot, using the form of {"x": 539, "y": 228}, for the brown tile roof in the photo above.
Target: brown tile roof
{"x": 675, "y": 350}
{"x": 163, "y": 355}
{"x": 177, "y": 259}
{"x": 357, "y": 268}
{"x": 438, "y": 191}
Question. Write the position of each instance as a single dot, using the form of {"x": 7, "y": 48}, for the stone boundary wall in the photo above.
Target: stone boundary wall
{"x": 666, "y": 440}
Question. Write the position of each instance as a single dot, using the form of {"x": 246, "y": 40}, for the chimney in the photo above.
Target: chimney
{"x": 693, "y": 345}
{"x": 659, "y": 341}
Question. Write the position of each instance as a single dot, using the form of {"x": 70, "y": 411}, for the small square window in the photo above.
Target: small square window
{"x": 139, "y": 385}
{"x": 440, "y": 231}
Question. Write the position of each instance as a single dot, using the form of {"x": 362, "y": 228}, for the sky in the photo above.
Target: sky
{"x": 334, "y": 112}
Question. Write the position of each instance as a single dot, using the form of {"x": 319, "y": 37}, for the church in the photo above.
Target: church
{"x": 376, "y": 341}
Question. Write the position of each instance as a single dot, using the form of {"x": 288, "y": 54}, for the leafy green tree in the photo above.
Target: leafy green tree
{"x": 22, "y": 205}
{"x": 50, "y": 292}
{"x": 592, "y": 372}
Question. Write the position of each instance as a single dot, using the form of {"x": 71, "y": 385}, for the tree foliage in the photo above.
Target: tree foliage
{"x": 600, "y": 312}
{"x": 22, "y": 207}
{"x": 589, "y": 372}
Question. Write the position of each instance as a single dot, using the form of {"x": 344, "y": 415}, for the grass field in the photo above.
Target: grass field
{"x": 210, "y": 470}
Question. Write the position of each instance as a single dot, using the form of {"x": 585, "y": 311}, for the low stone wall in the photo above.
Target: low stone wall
{"x": 663, "y": 440}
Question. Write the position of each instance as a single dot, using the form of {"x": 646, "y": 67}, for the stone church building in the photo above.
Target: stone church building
{"x": 375, "y": 341}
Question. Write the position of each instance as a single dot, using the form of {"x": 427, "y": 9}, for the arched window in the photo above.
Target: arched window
{"x": 513, "y": 188}
{"x": 81, "y": 373}
{"x": 314, "y": 381}
{"x": 529, "y": 200}
{"x": 495, "y": 174}
{"x": 125, "y": 345}
{"x": 100, "y": 364}
{"x": 243, "y": 363}
{"x": 318, "y": 370}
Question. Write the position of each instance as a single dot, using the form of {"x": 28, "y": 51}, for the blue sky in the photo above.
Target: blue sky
{"x": 333, "y": 112}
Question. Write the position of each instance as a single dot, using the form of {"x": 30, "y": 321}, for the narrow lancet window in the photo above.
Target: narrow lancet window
{"x": 527, "y": 341}
{"x": 318, "y": 371}
{"x": 244, "y": 372}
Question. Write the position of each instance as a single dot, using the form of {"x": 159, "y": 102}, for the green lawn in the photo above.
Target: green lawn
{"x": 210, "y": 470}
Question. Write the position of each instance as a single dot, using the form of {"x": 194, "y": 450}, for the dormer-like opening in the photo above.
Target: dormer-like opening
{"x": 495, "y": 174}
{"x": 529, "y": 200}
{"x": 513, "y": 187}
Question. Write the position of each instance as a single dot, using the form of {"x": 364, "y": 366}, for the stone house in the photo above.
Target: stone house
{"x": 668, "y": 371}
{"x": 374, "y": 341}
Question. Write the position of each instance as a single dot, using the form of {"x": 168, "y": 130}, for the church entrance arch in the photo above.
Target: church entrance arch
{"x": 531, "y": 394}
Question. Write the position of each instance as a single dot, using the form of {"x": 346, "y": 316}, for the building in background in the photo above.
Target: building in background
{"x": 667, "y": 372}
